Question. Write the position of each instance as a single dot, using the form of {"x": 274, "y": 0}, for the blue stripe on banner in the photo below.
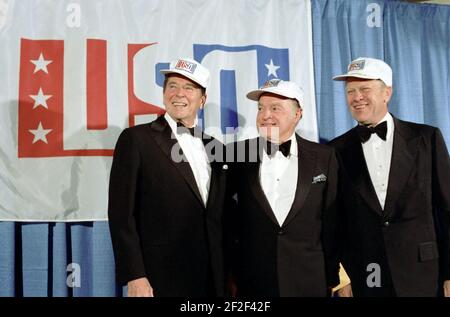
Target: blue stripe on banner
{"x": 159, "y": 78}
{"x": 201, "y": 118}
{"x": 228, "y": 103}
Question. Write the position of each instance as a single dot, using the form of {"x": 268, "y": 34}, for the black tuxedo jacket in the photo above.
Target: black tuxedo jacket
{"x": 409, "y": 238}
{"x": 159, "y": 225}
{"x": 298, "y": 258}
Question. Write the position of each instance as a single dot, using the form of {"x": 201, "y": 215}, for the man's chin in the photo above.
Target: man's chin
{"x": 270, "y": 134}
{"x": 271, "y": 137}
{"x": 180, "y": 116}
{"x": 360, "y": 118}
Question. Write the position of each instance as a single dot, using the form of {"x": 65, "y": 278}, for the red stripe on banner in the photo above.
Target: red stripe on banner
{"x": 40, "y": 125}
{"x": 97, "y": 116}
{"x": 136, "y": 105}
{"x": 41, "y": 91}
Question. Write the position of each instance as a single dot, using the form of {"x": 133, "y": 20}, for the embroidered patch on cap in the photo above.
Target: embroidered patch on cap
{"x": 186, "y": 66}
{"x": 356, "y": 65}
{"x": 271, "y": 83}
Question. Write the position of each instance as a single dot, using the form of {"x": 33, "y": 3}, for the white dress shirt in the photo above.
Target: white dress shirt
{"x": 195, "y": 153}
{"x": 278, "y": 178}
{"x": 378, "y": 153}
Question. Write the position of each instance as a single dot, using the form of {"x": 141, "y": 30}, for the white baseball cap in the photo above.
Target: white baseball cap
{"x": 280, "y": 87}
{"x": 191, "y": 69}
{"x": 368, "y": 68}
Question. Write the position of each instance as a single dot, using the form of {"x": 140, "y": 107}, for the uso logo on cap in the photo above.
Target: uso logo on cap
{"x": 356, "y": 65}
{"x": 186, "y": 66}
{"x": 271, "y": 83}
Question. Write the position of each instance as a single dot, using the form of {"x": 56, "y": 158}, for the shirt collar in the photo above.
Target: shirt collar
{"x": 173, "y": 124}
{"x": 294, "y": 148}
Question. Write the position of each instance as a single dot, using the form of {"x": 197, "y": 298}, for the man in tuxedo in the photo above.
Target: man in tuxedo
{"x": 166, "y": 196}
{"x": 286, "y": 189}
{"x": 394, "y": 193}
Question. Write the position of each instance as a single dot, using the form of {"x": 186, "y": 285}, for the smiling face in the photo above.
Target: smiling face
{"x": 277, "y": 117}
{"x": 183, "y": 98}
{"x": 367, "y": 99}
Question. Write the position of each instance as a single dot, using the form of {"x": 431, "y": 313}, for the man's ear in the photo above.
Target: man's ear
{"x": 387, "y": 94}
{"x": 299, "y": 114}
{"x": 203, "y": 101}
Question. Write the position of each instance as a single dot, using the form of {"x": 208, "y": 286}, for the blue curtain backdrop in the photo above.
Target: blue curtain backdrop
{"x": 413, "y": 39}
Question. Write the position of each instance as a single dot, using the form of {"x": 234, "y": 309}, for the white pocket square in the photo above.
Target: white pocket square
{"x": 319, "y": 179}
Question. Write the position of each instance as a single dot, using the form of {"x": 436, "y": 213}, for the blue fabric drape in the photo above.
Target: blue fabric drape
{"x": 413, "y": 39}
{"x": 34, "y": 259}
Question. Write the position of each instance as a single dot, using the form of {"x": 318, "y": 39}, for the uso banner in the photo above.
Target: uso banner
{"x": 74, "y": 74}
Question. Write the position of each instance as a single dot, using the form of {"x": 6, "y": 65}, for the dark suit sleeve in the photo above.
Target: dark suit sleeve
{"x": 330, "y": 224}
{"x": 441, "y": 198}
{"x": 121, "y": 210}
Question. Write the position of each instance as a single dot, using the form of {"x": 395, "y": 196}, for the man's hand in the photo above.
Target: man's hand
{"x": 345, "y": 291}
{"x": 447, "y": 288}
{"x": 140, "y": 288}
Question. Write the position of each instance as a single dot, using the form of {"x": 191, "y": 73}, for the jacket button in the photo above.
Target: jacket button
{"x": 281, "y": 232}
{"x": 386, "y": 224}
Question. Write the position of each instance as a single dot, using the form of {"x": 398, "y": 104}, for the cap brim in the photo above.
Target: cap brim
{"x": 255, "y": 94}
{"x": 168, "y": 71}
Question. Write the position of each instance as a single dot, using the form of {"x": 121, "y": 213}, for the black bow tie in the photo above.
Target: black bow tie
{"x": 364, "y": 132}
{"x": 194, "y": 131}
{"x": 272, "y": 148}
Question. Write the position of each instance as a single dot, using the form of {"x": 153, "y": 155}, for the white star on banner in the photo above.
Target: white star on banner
{"x": 40, "y": 99}
{"x": 272, "y": 69}
{"x": 41, "y": 64}
{"x": 40, "y": 133}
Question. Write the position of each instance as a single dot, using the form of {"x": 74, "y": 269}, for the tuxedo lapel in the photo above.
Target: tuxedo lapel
{"x": 166, "y": 141}
{"x": 212, "y": 146}
{"x": 255, "y": 185}
{"x": 403, "y": 152}
{"x": 306, "y": 168}
{"x": 252, "y": 170}
{"x": 356, "y": 168}
{"x": 214, "y": 185}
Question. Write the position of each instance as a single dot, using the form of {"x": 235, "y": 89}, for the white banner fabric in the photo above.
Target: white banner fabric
{"x": 74, "y": 74}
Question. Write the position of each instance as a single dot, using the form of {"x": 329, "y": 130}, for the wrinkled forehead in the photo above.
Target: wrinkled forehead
{"x": 178, "y": 78}
{"x": 269, "y": 97}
